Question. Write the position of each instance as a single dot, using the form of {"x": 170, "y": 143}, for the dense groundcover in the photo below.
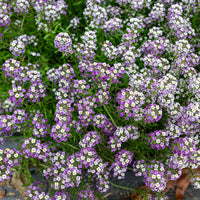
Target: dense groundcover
{"x": 99, "y": 87}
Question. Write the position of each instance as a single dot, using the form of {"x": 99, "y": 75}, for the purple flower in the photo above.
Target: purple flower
{"x": 63, "y": 42}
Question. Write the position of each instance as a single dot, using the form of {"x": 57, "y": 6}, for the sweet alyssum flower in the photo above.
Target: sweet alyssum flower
{"x": 63, "y": 42}
{"x": 159, "y": 139}
{"x": 147, "y": 64}
{"x": 17, "y": 47}
{"x": 152, "y": 113}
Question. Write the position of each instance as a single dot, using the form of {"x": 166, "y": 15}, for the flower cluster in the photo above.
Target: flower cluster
{"x": 171, "y": 82}
{"x": 155, "y": 47}
{"x": 8, "y": 105}
{"x": 90, "y": 139}
{"x": 95, "y": 15}
{"x": 159, "y": 139}
{"x": 63, "y": 111}
{"x": 35, "y": 192}
{"x": 63, "y": 42}
{"x": 133, "y": 132}
{"x": 36, "y": 91}
{"x": 102, "y": 96}
{"x": 180, "y": 26}
{"x": 72, "y": 178}
{"x": 152, "y": 113}
{"x": 136, "y": 79}
{"x": 43, "y": 26}
{"x": 109, "y": 128}
{"x": 182, "y": 47}
{"x": 159, "y": 65}
{"x": 129, "y": 100}
{"x": 11, "y": 68}
{"x": 112, "y": 25}
{"x": 21, "y": 6}
{"x": 173, "y": 130}
{"x": 109, "y": 50}
{"x": 101, "y": 121}
{"x": 85, "y": 111}
{"x": 61, "y": 93}
{"x": 175, "y": 110}
{"x": 158, "y": 12}
{"x": 20, "y": 117}
{"x": 129, "y": 57}
{"x": 155, "y": 177}
{"x": 87, "y": 194}
{"x": 28, "y": 39}
{"x": 166, "y": 99}
{"x": 17, "y": 94}
{"x": 62, "y": 175}
{"x": 33, "y": 148}
{"x": 53, "y": 75}
{"x": 75, "y": 22}
{"x": 114, "y": 143}
{"x": 195, "y": 158}
{"x": 66, "y": 73}
{"x": 136, "y": 5}
{"x": 184, "y": 146}
{"x": 49, "y": 11}
{"x": 130, "y": 38}
{"x": 86, "y": 49}
{"x": 148, "y": 85}
{"x": 33, "y": 74}
{"x": 7, "y": 124}
{"x": 175, "y": 165}
{"x": 58, "y": 159}
{"x": 122, "y": 133}
{"x": 114, "y": 11}
{"x": 100, "y": 71}
{"x": 60, "y": 131}
{"x": 192, "y": 111}
{"x": 123, "y": 159}
{"x": 155, "y": 32}
{"x": 140, "y": 168}
{"x": 6, "y": 171}
{"x": 5, "y": 14}
{"x": 40, "y": 127}
{"x": 61, "y": 195}
{"x": 80, "y": 87}
{"x": 97, "y": 166}
{"x": 194, "y": 85}
{"x": 135, "y": 22}
{"x": 17, "y": 48}
{"x": 12, "y": 157}
{"x": 196, "y": 181}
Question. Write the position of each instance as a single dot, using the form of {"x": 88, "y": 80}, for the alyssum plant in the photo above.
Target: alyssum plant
{"x": 97, "y": 87}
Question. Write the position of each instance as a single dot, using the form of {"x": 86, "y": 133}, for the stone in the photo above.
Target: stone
{"x": 2, "y": 194}
{"x": 10, "y": 194}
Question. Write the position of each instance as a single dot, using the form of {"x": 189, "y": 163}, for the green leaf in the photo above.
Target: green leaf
{"x": 78, "y": 3}
{"x": 45, "y": 37}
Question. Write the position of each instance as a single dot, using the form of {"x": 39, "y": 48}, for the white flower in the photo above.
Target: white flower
{"x": 158, "y": 141}
{"x": 33, "y": 140}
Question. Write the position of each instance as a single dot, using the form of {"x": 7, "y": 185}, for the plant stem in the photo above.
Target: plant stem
{"x": 122, "y": 187}
{"x": 95, "y": 129}
{"x": 73, "y": 147}
{"x": 109, "y": 115}
{"x": 22, "y": 24}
